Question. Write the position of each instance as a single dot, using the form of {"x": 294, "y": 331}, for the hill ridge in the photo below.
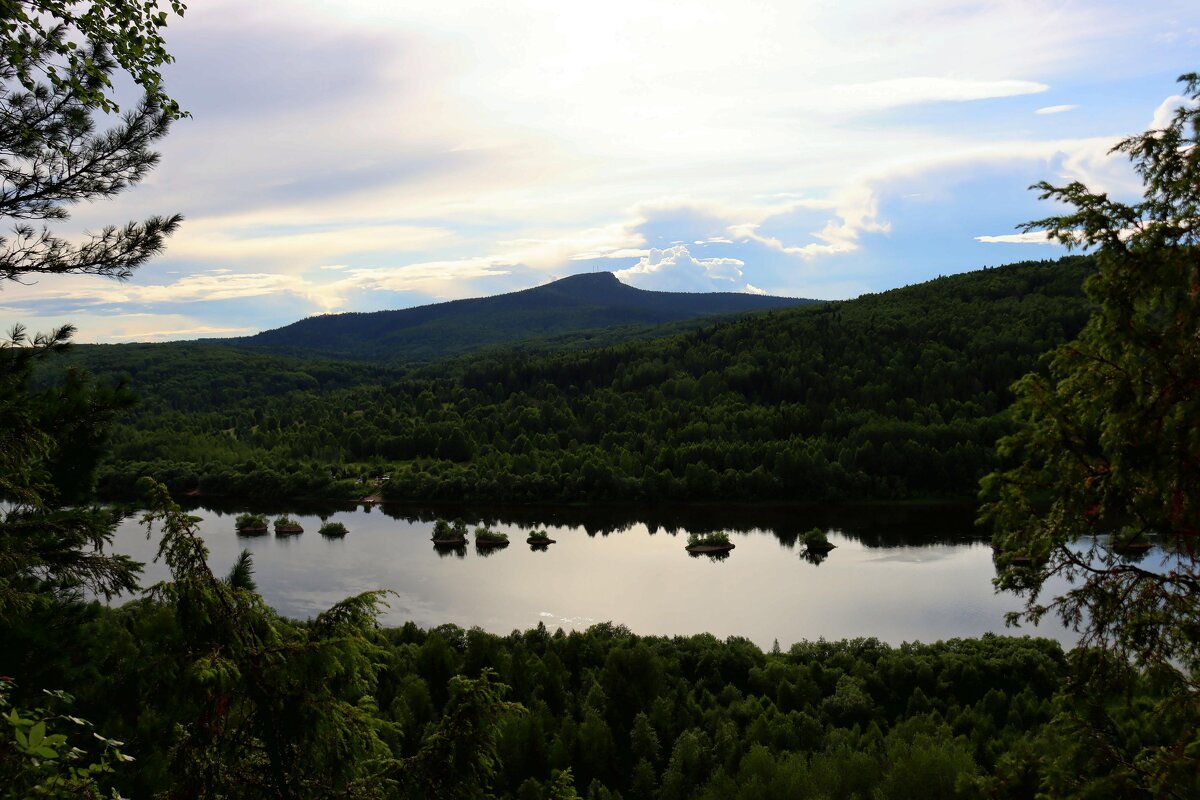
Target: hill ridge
{"x": 434, "y": 331}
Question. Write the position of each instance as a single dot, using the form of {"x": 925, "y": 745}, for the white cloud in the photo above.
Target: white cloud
{"x": 549, "y": 251}
{"x": 1095, "y": 165}
{"x": 477, "y": 136}
{"x": 752, "y": 289}
{"x": 1167, "y": 108}
{"x": 851, "y": 215}
{"x": 1056, "y": 109}
{"x": 436, "y": 278}
{"x": 171, "y": 334}
{"x": 1029, "y": 237}
{"x": 135, "y": 327}
{"x": 211, "y": 286}
{"x": 306, "y": 241}
{"x": 675, "y": 269}
{"x": 873, "y": 95}
{"x": 621, "y": 252}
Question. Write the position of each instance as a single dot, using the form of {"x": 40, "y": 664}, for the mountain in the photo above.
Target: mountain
{"x": 579, "y": 303}
{"x": 897, "y": 395}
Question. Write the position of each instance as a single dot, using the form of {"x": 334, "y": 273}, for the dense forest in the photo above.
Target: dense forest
{"x": 196, "y": 688}
{"x": 539, "y": 714}
{"x": 899, "y": 395}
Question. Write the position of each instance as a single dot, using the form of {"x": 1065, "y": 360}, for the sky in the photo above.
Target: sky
{"x": 358, "y": 156}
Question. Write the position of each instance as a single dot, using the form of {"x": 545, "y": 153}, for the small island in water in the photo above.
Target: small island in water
{"x": 488, "y": 538}
{"x": 251, "y": 524}
{"x": 446, "y": 534}
{"x": 716, "y": 542}
{"x": 286, "y": 526}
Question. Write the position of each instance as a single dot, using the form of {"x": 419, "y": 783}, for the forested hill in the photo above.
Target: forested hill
{"x": 428, "y": 333}
{"x": 896, "y": 395}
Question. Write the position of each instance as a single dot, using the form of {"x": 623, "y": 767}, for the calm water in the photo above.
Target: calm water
{"x": 897, "y": 574}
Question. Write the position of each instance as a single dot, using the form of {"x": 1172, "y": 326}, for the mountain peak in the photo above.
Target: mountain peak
{"x": 587, "y": 301}
{"x": 586, "y": 279}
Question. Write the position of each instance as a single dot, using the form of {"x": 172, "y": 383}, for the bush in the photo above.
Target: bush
{"x": 333, "y": 529}
{"x": 714, "y": 538}
{"x": 489, "y": 535}
{"x": 249, "y": 520}
{"x": 814, "y": 535}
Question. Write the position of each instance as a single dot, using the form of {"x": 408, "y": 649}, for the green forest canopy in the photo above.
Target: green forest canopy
{"x": 893, "y": 396}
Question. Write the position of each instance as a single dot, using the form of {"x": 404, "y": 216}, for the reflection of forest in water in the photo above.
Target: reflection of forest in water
{"x": 873, "y": 525}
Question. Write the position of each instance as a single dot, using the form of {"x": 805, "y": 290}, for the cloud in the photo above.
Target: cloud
{"x": 436, "y": 278}
{"x": 215, "y": 285}
{"x": 894, "y": 92}
{"x": 1030, "y": 237}
{"x": 1094, "y": 164}
{"x": 429, "y": 152}
{"x": 1056, "y": 109}
{"x": 182, "y": 333}
{"x": 614, "y": 240}
{"x": 621, "y": 252}
{"x": 306, "y": 241}
{"x": 136, "y": 326}
{"x": 1167, "y": 108}
{"x": 846, "y": 219}
{"x": 675, "y": 269}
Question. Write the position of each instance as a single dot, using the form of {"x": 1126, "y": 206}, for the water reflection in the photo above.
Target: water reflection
{"x": 901, "y": 574}
{"x": 444, "y": 550}
{"x": 872, "y": 525}
{"x": 814, "y": 557}
{"x": 718, "y": 555}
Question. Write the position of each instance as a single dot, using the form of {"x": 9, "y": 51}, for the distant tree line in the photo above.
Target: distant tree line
{"x": 898, "y": 395}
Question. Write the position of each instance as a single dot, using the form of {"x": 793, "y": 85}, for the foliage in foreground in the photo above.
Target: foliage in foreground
{"x": 1108, "y": 447}
{"x": 38, "y": 760}
{"x": 449, "y": 712}
{"x": 58, "y": 63}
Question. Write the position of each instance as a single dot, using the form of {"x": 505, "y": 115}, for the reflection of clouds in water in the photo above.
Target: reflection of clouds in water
{"x": 922, "y": 556}
{"x": 894, "y": 588}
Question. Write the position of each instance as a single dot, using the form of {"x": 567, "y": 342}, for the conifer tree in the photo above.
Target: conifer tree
{"x": 1107, "y": 455}
{"x": 60, "y": 144}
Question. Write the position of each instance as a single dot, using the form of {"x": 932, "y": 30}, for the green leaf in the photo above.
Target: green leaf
{"x": 36, "y": 734}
